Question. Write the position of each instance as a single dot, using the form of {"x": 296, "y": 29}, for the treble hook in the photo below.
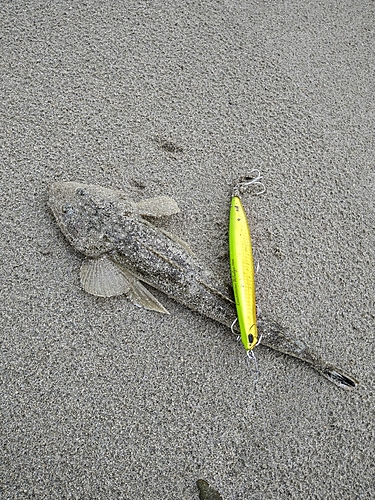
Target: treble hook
{"x": 249, "y": 180}
{"x": 232, "y": 325}
{"x": 251, "y": 358}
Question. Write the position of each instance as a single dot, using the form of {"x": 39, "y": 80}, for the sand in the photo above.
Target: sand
{"x": 102, "y": 400}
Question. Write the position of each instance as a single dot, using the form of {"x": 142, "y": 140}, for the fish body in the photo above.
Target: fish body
{"x": 242, "y": 271}
{"x": 123, "y": 250}
{"x": 121, "y": 245}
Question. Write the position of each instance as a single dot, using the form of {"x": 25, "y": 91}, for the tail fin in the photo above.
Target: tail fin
{"x": 274, "y": 336}
{"x": 341, "y": 379}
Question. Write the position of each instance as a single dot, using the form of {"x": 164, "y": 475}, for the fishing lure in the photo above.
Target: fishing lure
{"x": 242, "y": 271}
{"x": 242, "y": 267}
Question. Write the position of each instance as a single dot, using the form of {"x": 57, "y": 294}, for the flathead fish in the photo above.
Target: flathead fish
{"x": 124, "y": 250}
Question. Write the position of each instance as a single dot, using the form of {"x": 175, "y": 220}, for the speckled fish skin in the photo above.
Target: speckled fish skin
{"x": 99, "y": 221}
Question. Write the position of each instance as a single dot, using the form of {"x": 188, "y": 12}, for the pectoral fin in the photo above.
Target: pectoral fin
{"x": 159, "y": 206}
{"x": 104, "y": 278}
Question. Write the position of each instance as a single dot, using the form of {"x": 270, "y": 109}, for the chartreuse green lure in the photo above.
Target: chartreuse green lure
{"x": 242, "y": 267}
{"x": 242, "y": 271}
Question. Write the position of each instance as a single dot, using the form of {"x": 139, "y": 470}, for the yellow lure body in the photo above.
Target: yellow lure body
{"x": 242, "y": 271}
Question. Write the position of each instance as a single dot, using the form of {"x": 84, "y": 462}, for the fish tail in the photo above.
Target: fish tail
{"x": 339, "y": 378}
{"x": 274, "y": 336}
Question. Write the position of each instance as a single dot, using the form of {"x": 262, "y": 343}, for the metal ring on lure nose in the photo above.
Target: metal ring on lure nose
{"x": 249, "y": 180}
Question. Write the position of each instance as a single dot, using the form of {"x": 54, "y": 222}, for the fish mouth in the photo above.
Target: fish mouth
{"x": 63, "y": 189}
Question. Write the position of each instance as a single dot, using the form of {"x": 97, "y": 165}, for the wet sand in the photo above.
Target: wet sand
{"x": 102, "y": 400}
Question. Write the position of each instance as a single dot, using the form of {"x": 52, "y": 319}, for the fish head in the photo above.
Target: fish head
{"x": 84, "y": 213}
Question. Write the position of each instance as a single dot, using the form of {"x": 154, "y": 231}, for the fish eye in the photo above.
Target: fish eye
{"x": 81, "y": 192}
{"x": 67, "y": 209}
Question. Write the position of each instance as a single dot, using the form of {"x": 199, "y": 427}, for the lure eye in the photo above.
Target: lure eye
{"x": 250, "y": 338}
